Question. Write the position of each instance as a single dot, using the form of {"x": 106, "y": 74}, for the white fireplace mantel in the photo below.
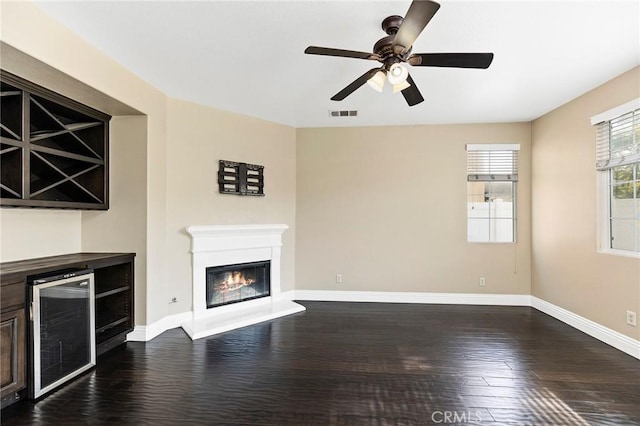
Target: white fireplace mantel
{"x": 235, "y": 237}
{"x": 222, "y": 245}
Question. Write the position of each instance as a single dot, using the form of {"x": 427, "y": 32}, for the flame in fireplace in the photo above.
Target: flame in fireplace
{"x": 234, "y": 281}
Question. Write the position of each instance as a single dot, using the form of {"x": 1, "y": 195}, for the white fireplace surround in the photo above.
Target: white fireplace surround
{"x": 222, "y": 245}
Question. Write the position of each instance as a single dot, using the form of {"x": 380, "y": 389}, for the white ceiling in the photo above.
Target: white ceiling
{"x": 247, "y": 56}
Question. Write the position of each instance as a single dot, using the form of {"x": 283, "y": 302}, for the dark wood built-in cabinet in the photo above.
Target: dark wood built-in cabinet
{"x": 54, "y": 154}
{"x": 53, "y": 150}
{"x": 114, "y": 307}
{"x": 114, "y": 304}
{"x": 13, "y": 359}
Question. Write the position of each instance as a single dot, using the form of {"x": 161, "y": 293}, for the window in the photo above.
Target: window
{"x": 618, "y": 166}
{"x": 492, "y": 175}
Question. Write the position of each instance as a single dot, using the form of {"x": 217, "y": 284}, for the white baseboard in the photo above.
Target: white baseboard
{"x": 406, "y": 297}
{"x": 619, "y": 341}
{"x": 144, "y": 333}
{"x": 287, "y": 295}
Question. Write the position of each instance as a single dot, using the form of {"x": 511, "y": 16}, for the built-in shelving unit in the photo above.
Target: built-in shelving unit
{"x": 114, "y": 308}
{"x": 53, "y": 150}
{"x": 12, "y": 145}
{"x": 114, "y": 301}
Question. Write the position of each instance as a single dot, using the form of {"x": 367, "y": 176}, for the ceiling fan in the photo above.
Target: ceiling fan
{"x": 395, "y": 49}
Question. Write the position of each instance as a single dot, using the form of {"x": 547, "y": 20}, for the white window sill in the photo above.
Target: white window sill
{"x": 492, "y": 242}
{"x": 622, "y": 253}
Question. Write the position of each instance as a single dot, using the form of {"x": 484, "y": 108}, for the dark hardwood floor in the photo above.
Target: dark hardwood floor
{"x": 358, "y": 364}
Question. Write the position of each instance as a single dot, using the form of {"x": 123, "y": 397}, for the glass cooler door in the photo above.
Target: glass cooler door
{"x": 63, "y": 331}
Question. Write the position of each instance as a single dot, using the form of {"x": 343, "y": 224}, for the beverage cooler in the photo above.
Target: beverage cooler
{"x": 62, "y": 329}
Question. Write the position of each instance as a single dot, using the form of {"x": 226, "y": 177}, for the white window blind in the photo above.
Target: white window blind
{"x": 618, "y": 141}
{"x": 489, "y": 162}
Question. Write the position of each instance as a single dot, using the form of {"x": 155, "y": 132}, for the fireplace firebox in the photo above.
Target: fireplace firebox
{"x": 237, "y": 283}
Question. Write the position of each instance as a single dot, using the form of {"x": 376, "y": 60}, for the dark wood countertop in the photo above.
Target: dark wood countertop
{"x": 20, "y": 269}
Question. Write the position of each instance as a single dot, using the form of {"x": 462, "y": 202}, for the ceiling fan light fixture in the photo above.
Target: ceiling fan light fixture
{"x": 397, "y": 74}
{"x": 377, "y": 81}
{"x": 401, "y": 86}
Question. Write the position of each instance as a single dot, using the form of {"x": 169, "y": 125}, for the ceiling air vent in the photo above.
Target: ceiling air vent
{"x": 343, "y": 113}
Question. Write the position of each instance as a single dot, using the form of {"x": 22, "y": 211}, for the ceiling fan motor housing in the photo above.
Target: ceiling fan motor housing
{"x": 391, "y": 24}
{"x": 384, "y": 46}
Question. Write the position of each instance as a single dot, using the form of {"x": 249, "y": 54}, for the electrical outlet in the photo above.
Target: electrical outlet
{"x": 482, "y": 281}
{"x": 631, "y": 318}
{"x": 338, "y": 278}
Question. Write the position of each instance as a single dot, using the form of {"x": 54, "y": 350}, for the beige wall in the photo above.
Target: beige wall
{"x": 124, "y": 228}
{"x": 198, "y": 138}
{"x": 566, "y": 269}
{"x": 27, "y": 233}
{"x": 53, "y": 56}
{"x": 386, "y": 208}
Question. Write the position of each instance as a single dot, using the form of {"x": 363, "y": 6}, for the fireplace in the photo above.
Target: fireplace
{"x": 237, "y": 283}
{"x": 236, "y": 278}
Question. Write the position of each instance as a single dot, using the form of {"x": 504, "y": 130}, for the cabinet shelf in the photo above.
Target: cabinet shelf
{"x": 111, "y": 309}
{"x": 61, "y": 153}
{"x": 12, "y": 142}
{"x": 61, "y": 160}
{"x": 112, "y": 324}
{"x": 42, "y": 134}
{"x": 112, "y": 292}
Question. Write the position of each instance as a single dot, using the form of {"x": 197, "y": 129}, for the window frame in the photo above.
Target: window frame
{"x": 603, "y": 217}
{"x": 604, "y": 189}
{"x": 514, "y": 188}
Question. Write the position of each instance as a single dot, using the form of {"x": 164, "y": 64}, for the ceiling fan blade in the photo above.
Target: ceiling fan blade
{"x": 418, "y": 16}
{"x": 327, "y": 51}
{"x": 411, "y": 94}
{"x": 355, "y": 85}
{"x": 454, "y": 60}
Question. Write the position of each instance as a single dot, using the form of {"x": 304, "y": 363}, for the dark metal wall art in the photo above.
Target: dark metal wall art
{"x": 240, "y": 178}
